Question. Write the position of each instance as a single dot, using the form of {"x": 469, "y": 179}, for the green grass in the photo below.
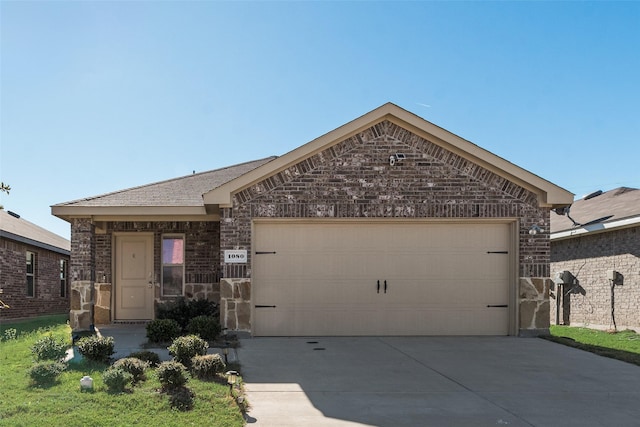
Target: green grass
{"x": 63, "y": 404}
{"x": 623, "y": 345}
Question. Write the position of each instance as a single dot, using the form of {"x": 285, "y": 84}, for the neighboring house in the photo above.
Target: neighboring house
{"x": 34, "y": 269}
{"x": 602, "y": 260}
{"x": 388, "y": 225}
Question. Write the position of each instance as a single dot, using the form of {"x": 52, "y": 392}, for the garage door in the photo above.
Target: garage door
{"x": 380, "y": 278}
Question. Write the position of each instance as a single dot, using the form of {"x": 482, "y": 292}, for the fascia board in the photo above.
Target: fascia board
{"x": 596, "y": 228}
{"x": 553, "y": 195}
{"x": 222, "y": 195}
{"x": 66, "y": 212}
{"x": 35, "y": 243}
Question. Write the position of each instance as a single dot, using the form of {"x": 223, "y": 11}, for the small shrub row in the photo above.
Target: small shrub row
{"x": 133, "y": 366}
{"x": 185, "y": 348}
{"x": 182, "y": 310}
{"x": 147, "y": 356}
{"x": 46, "y": 373}
{"x": 163, "y": 330}
{"x": 117, "y": 379}
{"x": 49, "y": 348}
{"x": 172, "y": 375}
{"x": 95, "y": 348}
{"x": 208, "y": 366}
{"x": 206, "y": 327}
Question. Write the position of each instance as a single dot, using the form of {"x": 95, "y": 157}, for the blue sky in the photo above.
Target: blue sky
{"x": 101, "y": 96}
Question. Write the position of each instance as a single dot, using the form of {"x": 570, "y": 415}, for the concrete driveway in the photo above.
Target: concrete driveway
{"x": 434, "y": 381}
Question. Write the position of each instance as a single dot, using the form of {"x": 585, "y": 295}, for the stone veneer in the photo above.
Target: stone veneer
{"x": 353, "y": 179}
{"x": 82, "y": 266}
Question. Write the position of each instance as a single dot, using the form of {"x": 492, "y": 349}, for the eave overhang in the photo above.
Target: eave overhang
{"x": 596, "y": 228}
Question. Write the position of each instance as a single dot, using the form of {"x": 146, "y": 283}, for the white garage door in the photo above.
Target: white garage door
{"x": 380, "y": 278}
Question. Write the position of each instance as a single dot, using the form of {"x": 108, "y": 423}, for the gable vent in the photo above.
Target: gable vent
{"x": 13, "y": 214}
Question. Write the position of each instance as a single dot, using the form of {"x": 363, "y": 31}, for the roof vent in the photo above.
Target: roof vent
{"x": 13, "y": 214}
{"x": 592, "y": 195}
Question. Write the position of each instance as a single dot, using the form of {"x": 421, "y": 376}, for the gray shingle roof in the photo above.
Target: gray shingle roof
{"x": 21, "y": 230}
{"x": 183, "y": 191}
{"x": 621, "y": 202}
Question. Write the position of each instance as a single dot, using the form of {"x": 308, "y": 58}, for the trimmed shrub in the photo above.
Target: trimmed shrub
{"x": 182, "y": 399}
{"x": 183, "y": 349}
{"x": 10, "y": 334}
{"x": 207, "y": 367}
{"x": 152, "y": 358}
{"x": 117, "y": 379}
{"x": 95, "y": 348}
{"x": 46, "y": 373}
{"x": 206, "y": 327}
{"x": 135, "y": 367}
{"x": 172, "y": 375}
{"x": 163, "y": 330}
{"x": 48, "y": 348}
{"x": 182, "y": 311}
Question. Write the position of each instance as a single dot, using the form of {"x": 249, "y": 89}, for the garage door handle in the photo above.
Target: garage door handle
{"x": 378, "y": 286}
{"x": 498, "y": 305}
{"x": 385, "y": 286}
{"x": 264, "y": 306}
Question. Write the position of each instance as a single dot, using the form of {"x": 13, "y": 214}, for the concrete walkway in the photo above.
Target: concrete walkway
{"x": 129, "y": 338}
{"x": 434, "y": 381}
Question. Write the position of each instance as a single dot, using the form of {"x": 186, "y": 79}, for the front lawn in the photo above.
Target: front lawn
{"x": 63, "y": 404}
{"x": 623, "y": 345}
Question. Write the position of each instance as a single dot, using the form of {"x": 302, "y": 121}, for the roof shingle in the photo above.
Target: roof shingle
{"x": 183, "y": 191}
{"x": 16, "y": 228}
{"x": 621, "y": 202}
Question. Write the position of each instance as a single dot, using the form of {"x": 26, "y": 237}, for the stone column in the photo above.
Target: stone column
{"x": 533, "y": 298}
{"x": 83, "y": 262}
{"x": 235, "y": 304}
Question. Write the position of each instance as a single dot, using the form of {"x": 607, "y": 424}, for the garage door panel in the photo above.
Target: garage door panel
{"x": 323, "y": 278}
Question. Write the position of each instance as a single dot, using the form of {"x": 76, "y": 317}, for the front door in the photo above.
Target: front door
{"x": 134, "y": 290}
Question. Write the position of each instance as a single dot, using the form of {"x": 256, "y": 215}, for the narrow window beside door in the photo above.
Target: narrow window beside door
{"x": 172, "y": 265}
{"x": 31, "y": 274}
{"x": 63, "y": 278}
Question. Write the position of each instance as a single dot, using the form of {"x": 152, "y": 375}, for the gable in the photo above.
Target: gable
{"x": 407, "y": 131}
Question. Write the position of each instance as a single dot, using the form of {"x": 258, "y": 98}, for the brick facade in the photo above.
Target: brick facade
{"x": 95, "y": 251}
{"x": 13, "y": 282}
{"x": 588, "y": 258}
{"x": 353, "y": 179}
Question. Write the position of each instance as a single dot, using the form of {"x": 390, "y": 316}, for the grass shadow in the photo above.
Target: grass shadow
{"x": 621, "y": 355}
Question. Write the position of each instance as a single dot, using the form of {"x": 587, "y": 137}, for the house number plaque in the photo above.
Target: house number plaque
{"x": 235, "y": 256}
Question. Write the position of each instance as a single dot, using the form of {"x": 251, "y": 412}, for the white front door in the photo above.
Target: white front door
{"x": 134, "y": 290}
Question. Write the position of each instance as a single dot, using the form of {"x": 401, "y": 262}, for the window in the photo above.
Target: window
{"x": 63, "y": 278}
{"x": 31, "y": 274}
{"x": 172, "y": 265}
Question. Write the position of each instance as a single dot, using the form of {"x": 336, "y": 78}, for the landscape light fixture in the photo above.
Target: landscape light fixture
{"x": 232, "y": 379}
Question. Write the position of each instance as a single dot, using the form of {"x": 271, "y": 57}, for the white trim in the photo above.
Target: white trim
{"x": 596, "y": 228}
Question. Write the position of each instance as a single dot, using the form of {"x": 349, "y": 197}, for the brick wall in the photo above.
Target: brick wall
{"x": 202, "y": 253}
{"x": 353, "y": 179}
{"x": 13, "y": 270}
{"x": 588, "y": 258}
{"x": 202, "y": 263}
